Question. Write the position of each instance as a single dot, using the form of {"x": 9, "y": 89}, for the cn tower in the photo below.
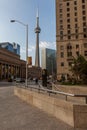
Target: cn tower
{"x": 37, "y": 31}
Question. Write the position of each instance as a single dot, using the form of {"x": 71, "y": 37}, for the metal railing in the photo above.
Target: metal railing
{"x": 41, "y": 88}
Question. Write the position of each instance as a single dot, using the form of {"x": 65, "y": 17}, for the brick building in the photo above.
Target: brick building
{"x": 34, "y": 72}
{"x": 71, "y": 33}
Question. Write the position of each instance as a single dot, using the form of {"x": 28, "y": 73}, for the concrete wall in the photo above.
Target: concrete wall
{"x": 73, "y": 114}
{"x": 80, "y": 116}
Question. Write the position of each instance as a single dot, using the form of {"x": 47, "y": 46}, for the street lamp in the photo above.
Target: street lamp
{"x": 26, "y": 25}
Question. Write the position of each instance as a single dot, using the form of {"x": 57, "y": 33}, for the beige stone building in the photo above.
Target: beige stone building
{"x": 71, "y": 33}
{"x": 11, "y": 65}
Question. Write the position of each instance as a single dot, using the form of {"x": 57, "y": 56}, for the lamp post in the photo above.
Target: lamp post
{"x": 26, "y": 25}
{"x": 52, "y": 69}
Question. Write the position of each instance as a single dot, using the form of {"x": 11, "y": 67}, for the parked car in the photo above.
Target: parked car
{"x": 20, "y": 80}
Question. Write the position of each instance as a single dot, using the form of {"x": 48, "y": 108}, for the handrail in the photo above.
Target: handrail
{"x": 41, "y": 88}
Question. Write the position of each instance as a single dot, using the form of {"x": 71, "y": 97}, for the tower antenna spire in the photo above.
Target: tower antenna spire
{"x": 37, "y": 18}
{"x": 37, "y": 13}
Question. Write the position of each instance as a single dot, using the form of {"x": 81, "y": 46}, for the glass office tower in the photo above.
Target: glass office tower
{"x": 48, "y": 60}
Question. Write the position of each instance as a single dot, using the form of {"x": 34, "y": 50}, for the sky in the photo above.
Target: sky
{"x": 25, "y": 11}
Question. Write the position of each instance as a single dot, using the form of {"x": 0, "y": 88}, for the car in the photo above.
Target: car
{"x": 20, "y": 80}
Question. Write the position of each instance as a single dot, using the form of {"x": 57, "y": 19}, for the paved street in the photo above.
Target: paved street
{"x": 18, "y": 115}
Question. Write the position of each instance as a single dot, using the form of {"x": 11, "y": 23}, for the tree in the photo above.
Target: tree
{"x": 79, "y": 68}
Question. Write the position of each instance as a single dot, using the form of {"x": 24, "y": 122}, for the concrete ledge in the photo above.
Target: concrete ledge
{"x": 70, "y": 89}
{"x": 73, "y": 114}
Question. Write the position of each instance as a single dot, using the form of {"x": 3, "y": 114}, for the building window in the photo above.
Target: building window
{"x": 75, "y": 2}
{"x": 61, "y": 37}
{"x": 83, "y": 12}
{"x": 83, "y": 6}
{"x": 75, "y": 19}
{"x": 83, "y": 1}
{"x": 68, "y": 31}
{"x": 77, "y": 53}
{"x": 69, "y": 47}
{"x": 68, "y": 4}
{"x": 76, "y": 30}
{"x": 70, "y": 63}
{"x": 68, "y": 15}
{"x": 84, "y": 29}
{"x": 61, "y": 33}
{"x": 68, "y": 9}
{"x": 85, "y": 45}
{"x": 69, "y": 54}
{"x": 69, "y": 37}
{"x": 61, "y": 21}
{"x": 62, "y": 54}
{"x": 61, "y": 27}
{"x": 76, "y": 25}
{"x": 68, "y": 20}
{"x": 77, "y": 36}
{"x": 85, "y": 53}
{"x": 62, "y": 63}
{"x": 61, "y": 15}
{"x": 61, "y": 47}
{"x": 84, "y": 24}
{"x": 60, "y": 5}
{"x": 84, "y": 18}
{"x": 60, "y": 10}
{"x": 75, "y": 13}
{"x": 85, "y": 32}
{"x": 75, "y": 8}
{"x": 85, "y": 36}
{"x": 68, "y": 26}
{"x": 77, "y": 46}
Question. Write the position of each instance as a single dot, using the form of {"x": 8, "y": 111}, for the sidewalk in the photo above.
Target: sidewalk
{"x": 17, "y": 115}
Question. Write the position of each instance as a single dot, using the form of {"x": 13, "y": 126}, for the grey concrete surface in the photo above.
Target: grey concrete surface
{"x": 18, "y": 115}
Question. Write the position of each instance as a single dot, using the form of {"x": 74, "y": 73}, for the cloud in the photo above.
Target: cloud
{"x": 31, "y": 48}
{"x": 44, "y": 44}
{"x": 22, "y": 50}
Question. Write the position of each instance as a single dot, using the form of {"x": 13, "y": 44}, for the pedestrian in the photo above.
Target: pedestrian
{"x": 36, "y": 80}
